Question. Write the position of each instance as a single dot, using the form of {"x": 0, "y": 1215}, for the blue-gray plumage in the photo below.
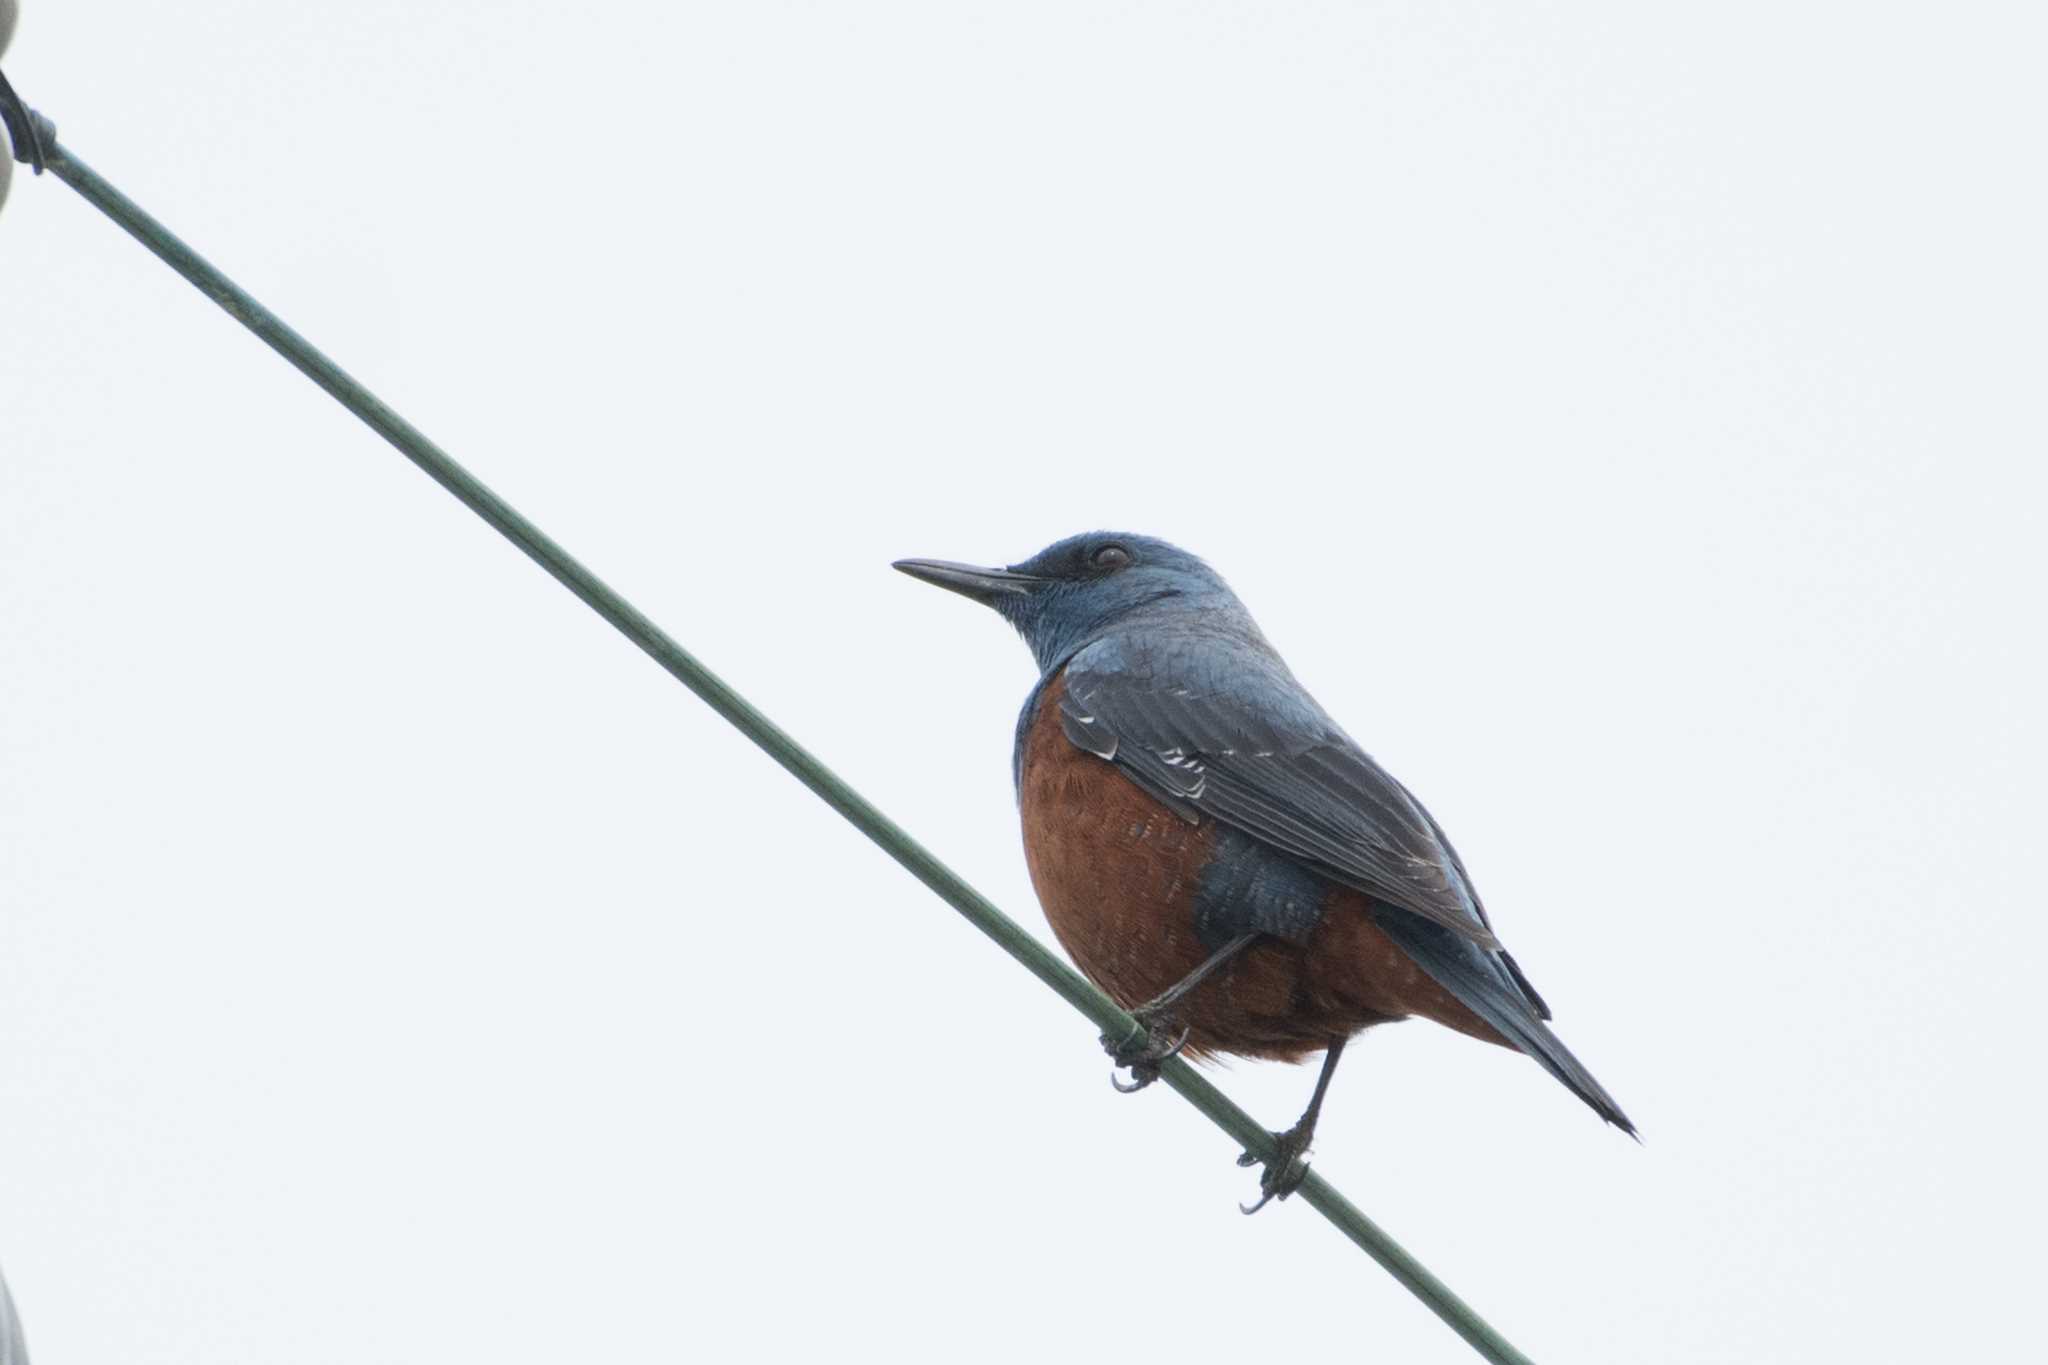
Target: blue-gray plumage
{"x": 1299, "y": 859}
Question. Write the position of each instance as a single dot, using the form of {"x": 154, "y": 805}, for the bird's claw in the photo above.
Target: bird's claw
{"x": 1142, "y": 1075}
{"x": 1284, "y": 1172}
{"x": 1141, "y": 1057}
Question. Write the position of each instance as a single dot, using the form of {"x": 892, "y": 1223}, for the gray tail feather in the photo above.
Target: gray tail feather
{"x": 1497, "y": 994}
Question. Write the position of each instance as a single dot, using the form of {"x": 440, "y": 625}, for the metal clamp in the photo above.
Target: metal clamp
{"x": 33, "y": 136}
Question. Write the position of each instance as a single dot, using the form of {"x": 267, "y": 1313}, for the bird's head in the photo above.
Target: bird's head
{"x": 1079, "y": 589}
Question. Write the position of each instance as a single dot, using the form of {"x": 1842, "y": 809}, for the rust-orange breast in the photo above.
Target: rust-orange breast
{"x": 1118, "y": 874}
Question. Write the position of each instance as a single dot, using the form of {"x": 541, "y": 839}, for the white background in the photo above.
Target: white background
{"x": 1626, "y": 418}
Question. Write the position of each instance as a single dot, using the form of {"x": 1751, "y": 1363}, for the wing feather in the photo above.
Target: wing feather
{"x": 1216, "y": 726}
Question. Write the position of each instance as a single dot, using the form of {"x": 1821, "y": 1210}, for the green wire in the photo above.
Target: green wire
{"x": 1316, "y": 1192}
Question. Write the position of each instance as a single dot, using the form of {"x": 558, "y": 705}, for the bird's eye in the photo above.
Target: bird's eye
{"x": 1112, "y": 557}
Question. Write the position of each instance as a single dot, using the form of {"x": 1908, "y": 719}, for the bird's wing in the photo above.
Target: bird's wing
{"x": 1216, "y": 726}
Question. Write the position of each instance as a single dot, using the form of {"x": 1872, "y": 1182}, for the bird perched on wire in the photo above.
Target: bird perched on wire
{"x": 1214, "y": 852}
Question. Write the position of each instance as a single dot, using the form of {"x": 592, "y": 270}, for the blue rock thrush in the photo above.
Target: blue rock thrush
{"x": 1214, "y": 852}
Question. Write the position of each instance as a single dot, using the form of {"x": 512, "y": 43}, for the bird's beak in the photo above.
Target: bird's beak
{"x": 985, "y": 586}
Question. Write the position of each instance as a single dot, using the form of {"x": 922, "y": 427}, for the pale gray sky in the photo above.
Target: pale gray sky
{"x": 1626, "y": 419}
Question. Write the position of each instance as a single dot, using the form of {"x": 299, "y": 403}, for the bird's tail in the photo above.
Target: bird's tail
{"x": 1489, "y": 984}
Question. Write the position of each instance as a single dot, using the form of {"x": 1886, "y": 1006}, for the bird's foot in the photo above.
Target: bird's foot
{"x": 1142, "y": 1055}
{"x": 1285, "y": 1170}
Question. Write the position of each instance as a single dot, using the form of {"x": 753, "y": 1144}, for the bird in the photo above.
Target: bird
{"x": 1215, "y": 853}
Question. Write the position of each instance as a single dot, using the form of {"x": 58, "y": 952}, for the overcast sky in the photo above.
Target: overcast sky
{"x": 1627, "y": 420}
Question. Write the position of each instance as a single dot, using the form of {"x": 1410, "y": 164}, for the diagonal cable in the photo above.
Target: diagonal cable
{"x": 1316, "y": 1192}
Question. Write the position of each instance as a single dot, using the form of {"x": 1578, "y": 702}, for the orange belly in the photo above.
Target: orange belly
{"x": 1117, "y": 873}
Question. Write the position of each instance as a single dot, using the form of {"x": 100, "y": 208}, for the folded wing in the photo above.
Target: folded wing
{"x": 1216, "y": 726}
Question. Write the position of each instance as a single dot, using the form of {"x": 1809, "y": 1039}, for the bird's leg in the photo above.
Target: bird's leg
{"x": 1143, "y": 1054}
{"x": 1286, "y": 1170}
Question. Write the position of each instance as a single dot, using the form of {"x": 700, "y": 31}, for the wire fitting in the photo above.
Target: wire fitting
{"x": 33, "y": 136}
